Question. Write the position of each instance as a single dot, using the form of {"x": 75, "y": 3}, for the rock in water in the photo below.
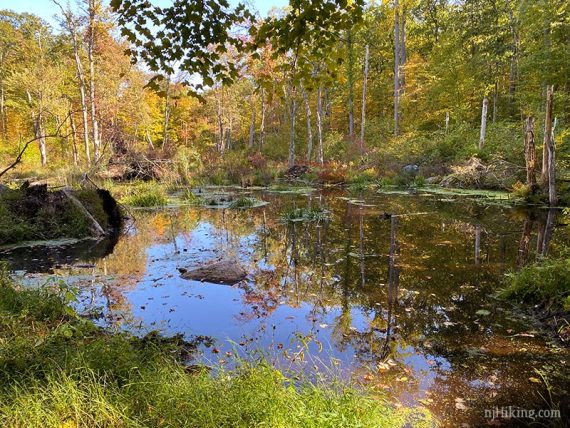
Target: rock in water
{"x": 223, "y": 272}
{"x": 411, "y": 169}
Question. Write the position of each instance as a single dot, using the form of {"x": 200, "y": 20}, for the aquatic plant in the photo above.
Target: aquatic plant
{"x": 305, "y": 214}
{"x": 242, "y": 202}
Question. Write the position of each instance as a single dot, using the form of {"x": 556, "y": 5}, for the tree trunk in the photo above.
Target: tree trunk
{"x": 309, "y": 127}
{"x": 530, "y": 154}
{"x": 90, "y": 49}
{"x": 328, "y": 109}
{"x": 252, "y": 125}
{"x": 220, "y": 123}
{"x": 495, "y": 101}
{"x": 320, "y": 150}
{"x": 262, "y": 126}
{"x": 166, "y": 114}
{"x": 402, "y": 63}
{"x": 483, "y": 123}
{"x": 41, "y": 138}
{"x": 364, "y": 85}
{"x": 548, "y": 175}
{"x": 350, "y": 82}
{"x": 3, "y": 124}
{"x": 513, "y": 69}
{"x": 228, "y": 144}
{"x": 446, "y": 121}
{"x": 396, "y": 67}
{"x": 73, "y": 139}
{"x": 81, "y": 84}
{"x": 291, "y": 160}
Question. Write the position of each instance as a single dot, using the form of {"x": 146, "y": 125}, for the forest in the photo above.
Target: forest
{"x": 351, "y": 211}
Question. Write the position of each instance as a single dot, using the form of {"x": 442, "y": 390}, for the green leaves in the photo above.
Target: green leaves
{"x": 195, "y": 37}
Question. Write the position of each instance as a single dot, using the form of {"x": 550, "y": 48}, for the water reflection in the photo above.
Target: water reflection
{"x": 398, "y": 289}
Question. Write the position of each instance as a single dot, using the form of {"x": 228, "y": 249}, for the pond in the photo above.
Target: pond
{"x": 395, "y": 291}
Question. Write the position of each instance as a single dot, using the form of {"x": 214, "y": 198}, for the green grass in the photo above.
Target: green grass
{"x": 545, "y": 283}
{"x": 243, "y": 202}
{"x": 305, "y": 214}
{"x": 59, "y": 370}
{"x": 147, "y": 195}
{"x": 54, "y": 218}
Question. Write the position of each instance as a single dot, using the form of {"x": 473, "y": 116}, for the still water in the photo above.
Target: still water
{"x": 394, "y": 291}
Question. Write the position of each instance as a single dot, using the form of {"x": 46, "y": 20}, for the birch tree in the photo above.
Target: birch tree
{"x": 70, "y": 23}
{"x": 364, "y": 86}
{"x": 93, "y": 7}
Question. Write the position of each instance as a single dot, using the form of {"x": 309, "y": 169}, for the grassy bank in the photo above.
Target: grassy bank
{"x": 544, "y": 285}
{"x": 34, "y": 213}
{"x": 58, "y": 369}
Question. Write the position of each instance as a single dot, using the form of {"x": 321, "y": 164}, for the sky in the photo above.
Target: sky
{"x": 46, "y": 9}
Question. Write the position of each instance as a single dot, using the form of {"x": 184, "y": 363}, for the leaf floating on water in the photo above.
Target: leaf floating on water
{"x": 483, "y": 312}
{"x": 383, "y": 367}
{"x": 460, "y": 404}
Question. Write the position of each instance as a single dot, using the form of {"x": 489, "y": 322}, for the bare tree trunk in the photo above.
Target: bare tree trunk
{"x": 73, "y": 139}
{"x": 320, "y": 149}
{"x": 548, "y": 176}
{"x": 291, "y": 160}
{"x": 149, "y": 139}
{"x": 165, "y": 128}
{"x": 364, "y": 86}
{"x": 252, "y": 125}
{"x": 530, "y": 154}
{"x": 81, "y": 82}
{"x": 41, "y": 138}
{"x": 495, "y": 101}
{"x": 513, "y": 69}
{"x": 90, "y": 49}
{"x": 262, "y": 126}
{"x": 396, "y": 67}
{"x": 402, "y": 51}
{"x": 37, "y": 120}
{"x": 3, "y": 121}
{"x": 446, "y": 121}
{"x": 220, "y": 123}
{"x": 309, "y": 127}
{"x": 228, "y": 144}
{"x": 483, "y": 123}
{"x": 328, "y": 109}
{"x": 350, "y": 82}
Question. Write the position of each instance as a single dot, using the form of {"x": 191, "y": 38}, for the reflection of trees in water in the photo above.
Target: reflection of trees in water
{"x": 435, "y": 281}
{"x": 545, "y": 227}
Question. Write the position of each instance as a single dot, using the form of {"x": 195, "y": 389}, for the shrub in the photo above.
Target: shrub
{"x": 544, "y": 282}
